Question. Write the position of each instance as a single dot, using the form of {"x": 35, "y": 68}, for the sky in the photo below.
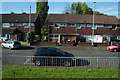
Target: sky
{"x": 110, "y": 8}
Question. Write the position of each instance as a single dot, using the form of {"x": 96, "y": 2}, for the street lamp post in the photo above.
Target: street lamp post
{"x": 93, "y": 24}
{"x": 30, "y": 20}
{"x": 30, "y": 25}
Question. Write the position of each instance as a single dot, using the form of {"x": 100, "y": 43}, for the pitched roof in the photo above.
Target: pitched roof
{"x": 23, "y": 29}
{"x": 61, "y": 18}
{"x": 63, "y": 30}
{"x": 75, "y": 18}
{"x": 18, "y": 17}
{"x": 8, "y": 30}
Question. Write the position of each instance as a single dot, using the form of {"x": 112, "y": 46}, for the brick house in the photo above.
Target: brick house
{"x": 62, "y": 27}
{"x": 67, "y": 27}
{"x": 20, "y": 24}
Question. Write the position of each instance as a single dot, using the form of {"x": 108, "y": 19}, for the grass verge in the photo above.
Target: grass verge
{"x": 41, "y": 72}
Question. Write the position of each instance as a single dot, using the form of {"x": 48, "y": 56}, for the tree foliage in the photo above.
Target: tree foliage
{"x": 73, "y": 8}
{"x": 80, "y": 8}
{"x": 30, "y": 37}
{"x": 37, "y": 38}
{"x": 67, "y": 9}
{"x": 42, "y": 9}
{"x": 12, "y": 13}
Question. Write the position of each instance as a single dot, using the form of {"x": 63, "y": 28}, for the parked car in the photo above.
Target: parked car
{"x": 52, "y": 56}
{"x": 11, "y": 44}
{"x": 114, "y": 48}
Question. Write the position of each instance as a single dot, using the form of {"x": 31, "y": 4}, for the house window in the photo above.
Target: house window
{"x": 89, "y": 25}
{"x": 99, "y": 25}
{"x": 107, "y": 25}
{"x": 114, "y": 27}
{"x": 19, "y": 24}
{"x": 32, "y": 24}
{"x": 56, "y": 26}
{"x": 6, "y": 24}
{"x": 12, "y": 24}
{"x": 82, "y": 25}
{"x": 26, "y": 24}
{"x": 53, "y": 36}
{"x": 94, "y": 27}
{"x": 70, "y": 24}
{"x": 63, "y": 24}
{"x": 56, "y": 36}
{"x": 51, "y": 24}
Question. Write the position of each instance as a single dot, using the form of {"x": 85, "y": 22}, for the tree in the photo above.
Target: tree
{"x": 98, "y": 13}
{"x": 30, "y": 37}
{"x": 85, "y": 9}
{"x": 42, "y": 9}
{"x": 12, "y": 13}
{"x": 67, "y": 10}
{"x": 73, "y": 8}
{"x": 80, "y": 8}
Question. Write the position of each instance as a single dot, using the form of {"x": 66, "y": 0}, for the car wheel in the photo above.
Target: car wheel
{"x": 66, "y": 64}
{"x": 37, "y": 63}
{"x": 10, "y": 48}
{"x": 3, "y": 46}
{"x": 115, "y": 50}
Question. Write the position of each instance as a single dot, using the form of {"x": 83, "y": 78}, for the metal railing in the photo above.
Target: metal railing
{"x": 81, "y": 62}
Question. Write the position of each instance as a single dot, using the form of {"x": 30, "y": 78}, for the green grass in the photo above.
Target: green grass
{"x": 0, "y": 72}
{"x": 40, "y": 72}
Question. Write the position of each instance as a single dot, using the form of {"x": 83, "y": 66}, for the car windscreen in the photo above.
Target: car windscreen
{"x": 9, "y": 42}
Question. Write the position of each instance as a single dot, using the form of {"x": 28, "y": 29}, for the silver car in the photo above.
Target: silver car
{"x": 11, "y": 44}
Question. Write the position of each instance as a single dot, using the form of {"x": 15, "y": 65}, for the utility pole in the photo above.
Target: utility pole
{"x": 30, "y": 24}
{"x": 93, "y": 24}
{"x": 30, "y": 19}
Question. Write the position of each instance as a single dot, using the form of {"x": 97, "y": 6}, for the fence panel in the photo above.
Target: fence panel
{"x": 80, "y": 62}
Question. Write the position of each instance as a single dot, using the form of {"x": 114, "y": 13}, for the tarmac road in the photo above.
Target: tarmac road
{"x": 76, "y": 51}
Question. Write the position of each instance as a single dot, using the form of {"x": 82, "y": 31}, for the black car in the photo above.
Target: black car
{"x": 52, "y": 56}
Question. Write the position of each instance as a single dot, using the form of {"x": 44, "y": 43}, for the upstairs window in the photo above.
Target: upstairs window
{"x": 114, "y": 27}
{"x": 70, "y": 24}
{"x": 6, "y": 24}
{"x": 89, "y": 25}
{"x": 56, "y": 26}
{"x": 51, "y": 24}
{"x": 107, "y": 25}
{"x": 94, "y": 27}
{"x": 99, "y": 25}
{"x": 26, "y": 24}
{"x": 82, "y": 25}
{"x": 54, "y": 36}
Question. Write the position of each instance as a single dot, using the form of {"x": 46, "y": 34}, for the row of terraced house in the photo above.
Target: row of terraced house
{"x": 62, "y": 27}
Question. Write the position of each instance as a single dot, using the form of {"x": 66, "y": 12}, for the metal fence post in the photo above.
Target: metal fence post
{"x": 75, "y": 62}
{"x": 52, "y": 61}
{"x": 97, "y": 63}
